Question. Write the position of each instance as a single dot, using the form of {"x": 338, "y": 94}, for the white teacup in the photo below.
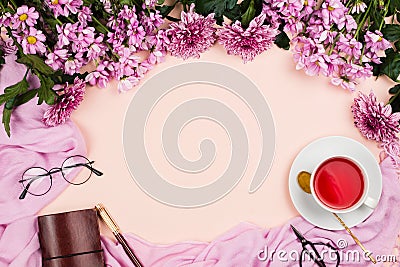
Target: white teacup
{"x": 332, "y": 167}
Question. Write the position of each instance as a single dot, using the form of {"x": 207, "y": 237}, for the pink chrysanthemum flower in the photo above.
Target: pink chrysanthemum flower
{"x": 57, "y": 59}
{"x": 150, "y": 3}
{"x": 332, "y": 11}
{"x": 358, "y": 7}
{"x": 127, "y": 83}
{"x": 193, "y": 35}
{"x": 33, "y": 42}
{"x": 67, "y": 102}
{"x": 375, "y": 41}
{"x": 249, "y": 42}
{"x": 5, "y": 19}
{"x": 107, "y": 5}
{"x": 55, "y": 6}
{"x": 375, "y": 120}
{"x": 25, "y": 16}
{"x": 345, "y": 81}
{"x": 101, "y": 75}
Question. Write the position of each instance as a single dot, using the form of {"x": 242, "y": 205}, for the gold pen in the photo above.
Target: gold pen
{"x": 102, "y": 211}
{"x": 367, "y": 253}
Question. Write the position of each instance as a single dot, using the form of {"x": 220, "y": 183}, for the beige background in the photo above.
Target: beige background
{"x": 304, "y": 108}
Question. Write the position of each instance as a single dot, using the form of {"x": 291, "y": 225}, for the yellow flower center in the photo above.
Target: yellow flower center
{"x": 31, "y": 39}
{"x": 380, "y": 39}
{"x": 306, "y": 3}
{"x": 54, "y": 2}
{"x": 23, "y": 17}
{"x": 331, "y": 8}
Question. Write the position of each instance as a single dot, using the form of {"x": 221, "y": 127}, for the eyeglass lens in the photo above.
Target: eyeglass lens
{"x": 36, "y": 181}
{"x": 79, "y": 163}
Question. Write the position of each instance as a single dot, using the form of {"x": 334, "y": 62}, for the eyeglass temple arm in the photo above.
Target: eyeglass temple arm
{"x": 25, "y": 191}
{"x": 95, "y": 171}
{"x": 31, "y": 180}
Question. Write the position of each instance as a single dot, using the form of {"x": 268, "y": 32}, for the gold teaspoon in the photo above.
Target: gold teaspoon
{"x": 303, "y": 179}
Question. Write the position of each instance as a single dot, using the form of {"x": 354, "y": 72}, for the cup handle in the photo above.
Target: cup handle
{"x": 370, "y": 203}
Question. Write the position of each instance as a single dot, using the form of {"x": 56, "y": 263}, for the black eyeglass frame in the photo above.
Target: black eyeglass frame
{"x": 56, "y": 170}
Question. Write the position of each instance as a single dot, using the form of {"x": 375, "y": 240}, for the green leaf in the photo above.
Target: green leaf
{"x": 397, "y": 45}
{"x": 45, "y": 91}
{"x": 390, "y": 65}
{"x": 230, "y": 4}
{"x": 59, "y": 77}
{"x": 10, "y": 103}
{"x": 160, "y": 2}
{"x": 2, "y": 57}
{"x": 395, "y": 102}
{"x": 51, "y": 22}
{"x": 391, "y": 32}
{"x": 4, "y": 3}
{"x": 25, "y": 97}
{"x": 282, "y": 40}
{"x": 375, "y": 16}
{"x": 165, "y": 10}
{"x": 100, "y": 29}
{"x": 394, "y": 4}
{"x": 376, "y": 69}
{"x": 234, "y": 14}
{"x": 249, "y": 15}
{"x": 218, "y": 7}
{"x": 125, "y": 2}
{"x": 6, "y": 120}
{"x": 172, "y": 19}
{"x": 394, "y": 90}
{"x": 36, "y": 63}
{"x": 14, "y": 90}
{"x": 88, "y": 2}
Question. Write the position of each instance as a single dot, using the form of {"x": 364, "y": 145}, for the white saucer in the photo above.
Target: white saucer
{"x": 307, "y": 160}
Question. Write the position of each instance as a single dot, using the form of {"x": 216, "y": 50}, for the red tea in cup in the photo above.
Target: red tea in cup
{"x": 339, "y": 183}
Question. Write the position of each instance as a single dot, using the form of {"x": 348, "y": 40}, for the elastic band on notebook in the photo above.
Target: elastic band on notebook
{"x": 72, "y": 255}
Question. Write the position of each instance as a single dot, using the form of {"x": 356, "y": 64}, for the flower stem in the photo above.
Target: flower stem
{"x": 57, "y": 20}
{"x": 13, "y": 4}
{"x": 362, "y": 54}
{"x": 137, "y": 3}
{"x": 363, "y": 20}
{"x": 383, "y": 19}
{"x": 100, "y": 24}
{"x": 69, "y": 19}
{"x": 26, "y": 74}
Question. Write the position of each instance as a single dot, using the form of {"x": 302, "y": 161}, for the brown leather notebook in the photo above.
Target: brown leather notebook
{"x": 70, "y": 239}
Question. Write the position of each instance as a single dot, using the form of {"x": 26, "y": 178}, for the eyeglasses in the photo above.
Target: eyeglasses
{"x": 310, "y": 249}
{"x": 37, "y": 181}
